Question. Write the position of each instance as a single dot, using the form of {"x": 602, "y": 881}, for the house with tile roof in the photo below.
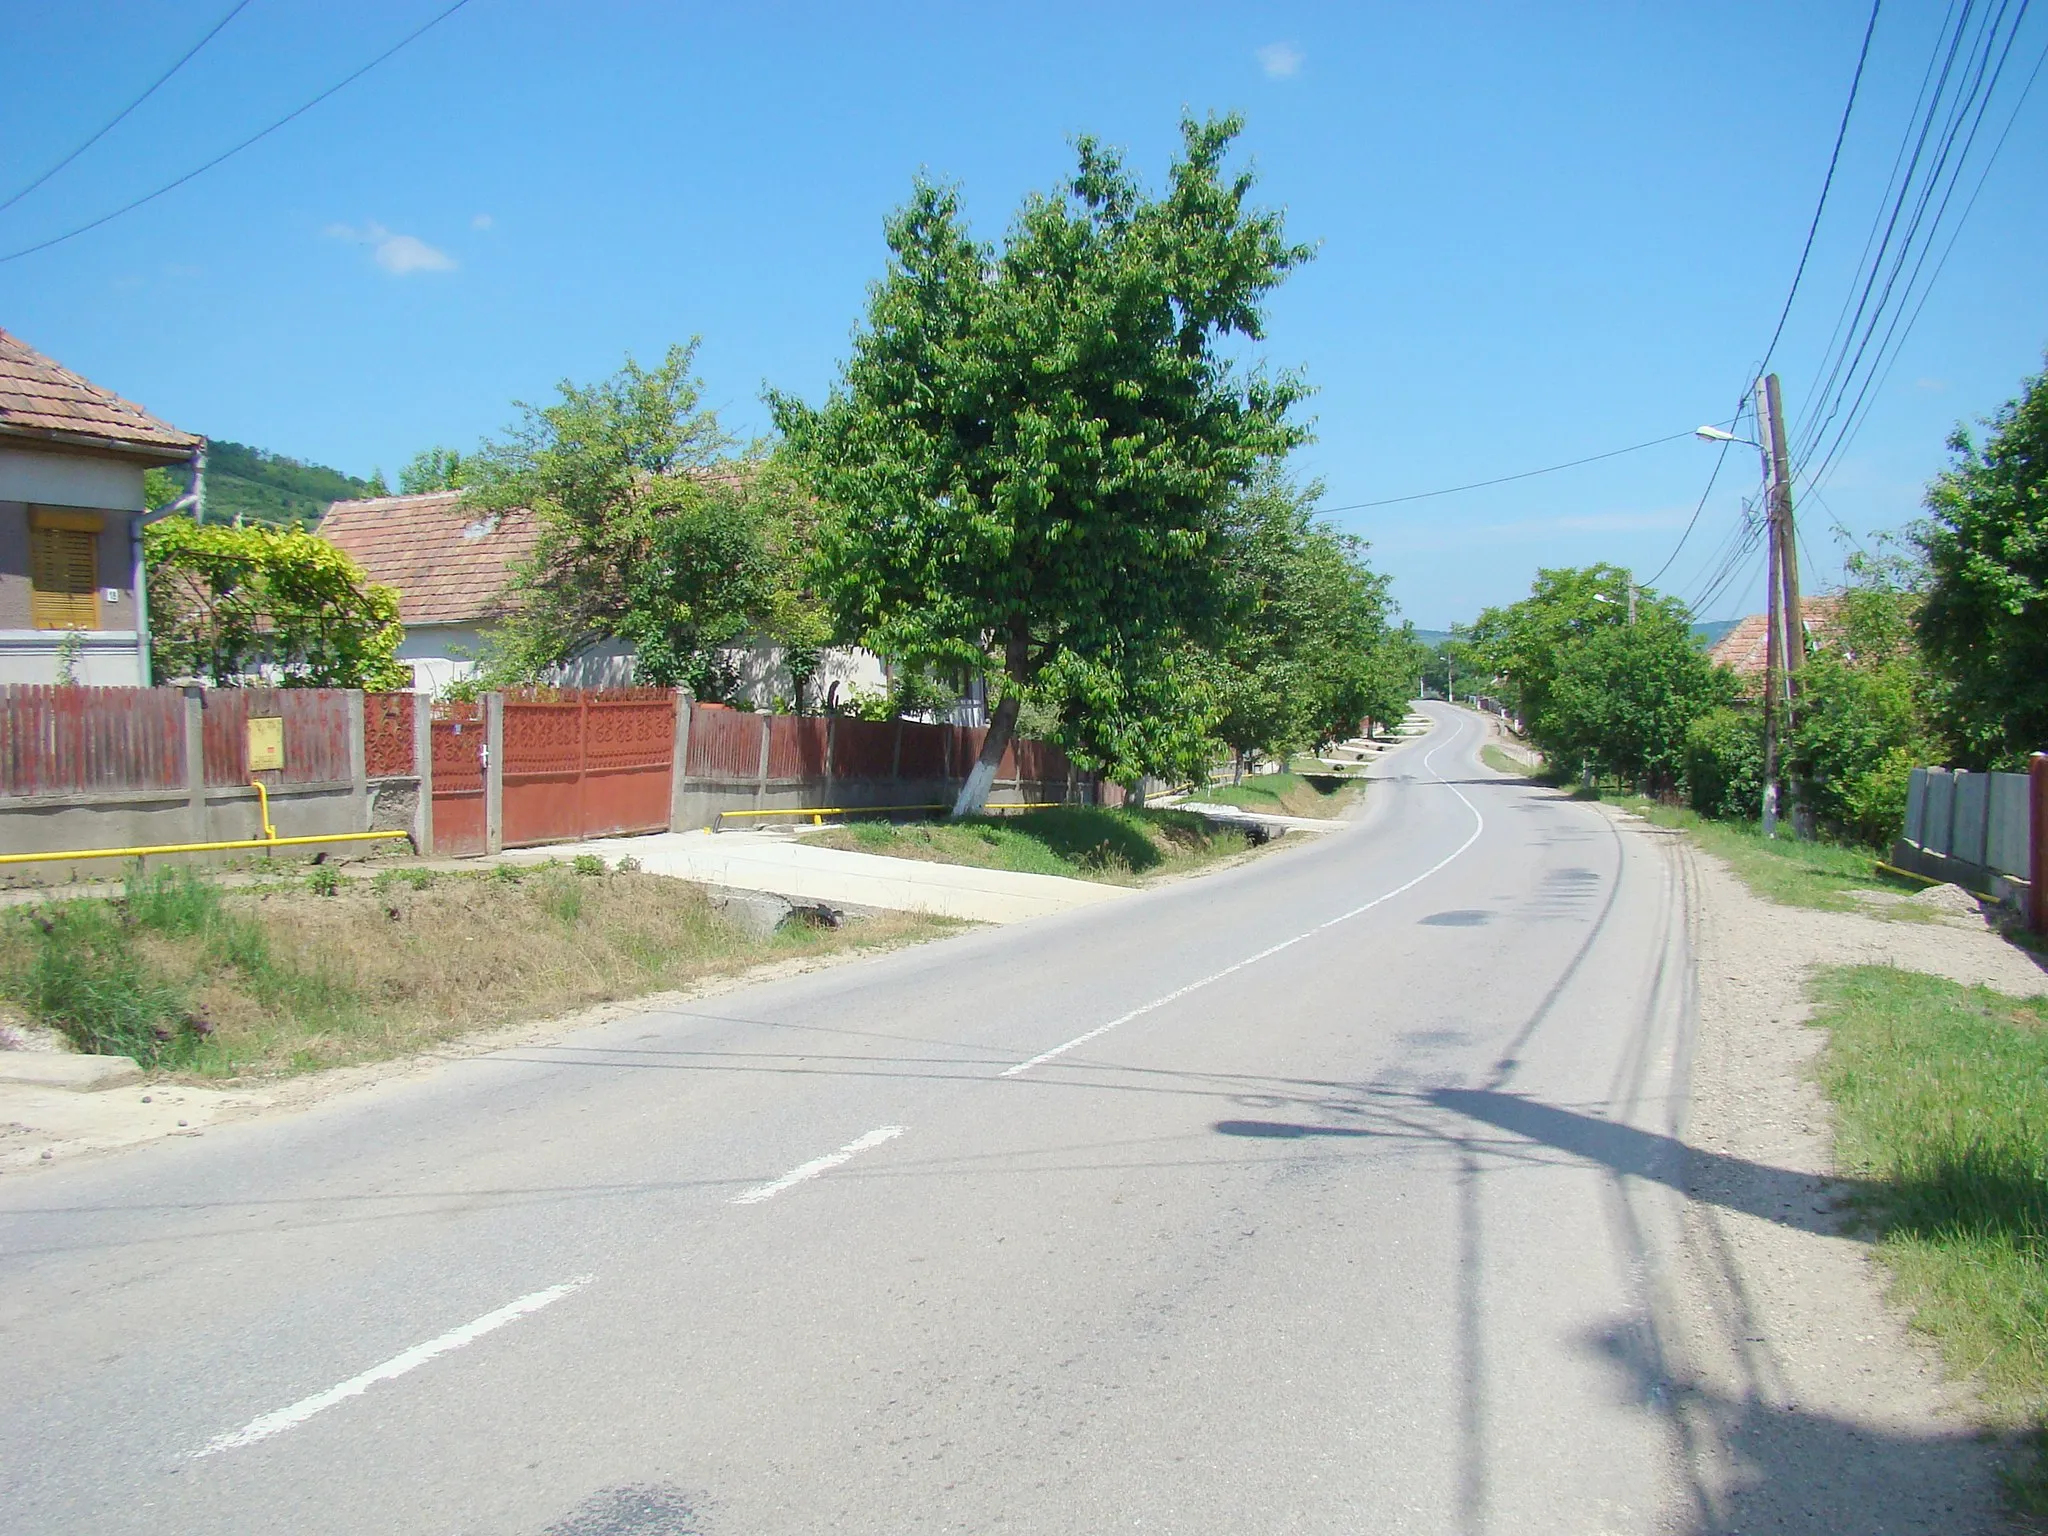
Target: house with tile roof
{"x": 72, "y": 458}
{"x": 1743, "y": 650}
{"x": 452, "y": 567}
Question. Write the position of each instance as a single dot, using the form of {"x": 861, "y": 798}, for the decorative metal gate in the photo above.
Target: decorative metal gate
{"x": 587, "y": 763}
{"x": 460, "y": 830}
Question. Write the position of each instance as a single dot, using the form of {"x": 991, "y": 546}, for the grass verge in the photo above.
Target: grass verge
{"x": 305, "y": 973}
{"x": 1500, "y": 762}
{"x": 1941, "y": 1105}
{"x": 1081, "y": 842}
{"x": 1286, "y": 794}
{"x": 1786, "y": 870}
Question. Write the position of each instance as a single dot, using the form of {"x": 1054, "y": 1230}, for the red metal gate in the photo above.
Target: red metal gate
{"x": 459, "y": 809}
{"x": 587, "y": 763}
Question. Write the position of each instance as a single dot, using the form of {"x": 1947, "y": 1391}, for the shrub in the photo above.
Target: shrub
{"x": 84, "y": 979}
{"x": 587, "y": 864}
{"x": 1724, "y": 764}
{"x": 321, "y": 880}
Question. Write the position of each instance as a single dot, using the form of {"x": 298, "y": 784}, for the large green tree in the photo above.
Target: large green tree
{"x": 1984, "y": 625}
{"x": 652, "y": 529}
{"x": 1608, "y": 679}
{"x": 1297, "y": 665}
{"x": 1030, "y": 452}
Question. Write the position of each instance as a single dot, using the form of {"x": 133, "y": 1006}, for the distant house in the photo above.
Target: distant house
{"x": 1743, "y": 650}
{"x": 452, "y": 567}
{"x": 453, "y": 570}
{"x": 72, "y": 457}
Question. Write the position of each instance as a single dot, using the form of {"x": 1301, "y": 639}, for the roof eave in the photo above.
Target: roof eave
{"x": 146, "y": 453}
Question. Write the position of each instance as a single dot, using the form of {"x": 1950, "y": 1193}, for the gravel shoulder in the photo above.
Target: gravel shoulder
{"x": 1805, "y": 1402}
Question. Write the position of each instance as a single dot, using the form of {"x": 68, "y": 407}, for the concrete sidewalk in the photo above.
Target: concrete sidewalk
{"x": 774, "y": 861}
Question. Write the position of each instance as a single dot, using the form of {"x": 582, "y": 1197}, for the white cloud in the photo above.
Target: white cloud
{"x": 481, "y": 221}
{"x": 400, "y": 255}
{"x": 1280, "y": 61}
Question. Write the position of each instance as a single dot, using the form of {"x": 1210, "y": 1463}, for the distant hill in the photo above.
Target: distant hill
{"x": 1710, "y": 633}
{"x": 1432, "y": 637}
{"x": 268, "y": 487}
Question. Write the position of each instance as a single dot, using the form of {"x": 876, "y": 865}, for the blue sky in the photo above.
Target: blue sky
{"x": 1544, "y": 231}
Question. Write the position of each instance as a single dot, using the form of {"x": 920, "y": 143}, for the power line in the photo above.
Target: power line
{"x": 114, "y": 121}
{"x": 1527, "y": 474}
{"x": 296, "y": 112}
{"x": 1976, "y": 89}
{"x": 1828, "y": 181}
{"x": 1889, "y": 351}
{"x": 1816, "y": 406}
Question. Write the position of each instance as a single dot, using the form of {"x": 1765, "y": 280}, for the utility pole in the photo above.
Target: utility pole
{"x": 1632, "y": 601}
{"x": 1785, "y": 640}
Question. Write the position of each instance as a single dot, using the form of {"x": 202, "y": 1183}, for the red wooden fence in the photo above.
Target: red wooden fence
{"x": 316, "y": 722}
{"x": 73, "y": 741}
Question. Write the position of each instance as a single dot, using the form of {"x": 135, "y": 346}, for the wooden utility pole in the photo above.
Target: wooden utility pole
{"x": 1788, "y": 621}
{"x": 1774, "y": 628}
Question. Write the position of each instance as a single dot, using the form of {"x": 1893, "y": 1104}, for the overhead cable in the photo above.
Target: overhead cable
{"x": 111, "y": 123}
{"x": 296, "y": 112}
{"x": 1527, "y": 474}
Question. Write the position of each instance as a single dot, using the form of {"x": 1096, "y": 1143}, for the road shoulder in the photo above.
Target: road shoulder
{"x": 1805, "y": 1401}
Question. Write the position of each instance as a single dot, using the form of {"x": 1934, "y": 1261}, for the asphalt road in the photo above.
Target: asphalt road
{"x": 1326, "y": 1194}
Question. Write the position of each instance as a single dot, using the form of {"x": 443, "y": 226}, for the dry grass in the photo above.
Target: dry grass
{"x": 1322, "y": 796}
{"x": 284, "y": 978}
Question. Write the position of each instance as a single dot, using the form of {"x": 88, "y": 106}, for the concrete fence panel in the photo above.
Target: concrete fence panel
{"x": 2006, "y": 831}
{"x": 1916, "y": 806}
{"x": 1972, "y": 817}
{"x": 1939, "y": 820}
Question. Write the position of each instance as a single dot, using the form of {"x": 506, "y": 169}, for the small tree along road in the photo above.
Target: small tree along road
{"x": 1030, "y": 453}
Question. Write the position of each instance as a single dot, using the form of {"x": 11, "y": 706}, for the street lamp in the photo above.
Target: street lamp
{"x": 1716, "y": 435}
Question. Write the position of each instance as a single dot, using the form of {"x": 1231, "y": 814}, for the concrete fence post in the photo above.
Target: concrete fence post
{"x": 359, "y": 758}
{"x": 2037, "y": 842}
{"x": 195, "y": 759}
{"x": 761, "y": 775}
{"x": 679, "y": 768}
{"x": 494, "y": 773}
{"x": 423, "y": 770}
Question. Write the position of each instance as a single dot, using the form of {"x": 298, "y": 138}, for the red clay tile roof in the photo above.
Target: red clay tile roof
{"x": 449, "y": 562}
{"x": 1743, "y": 648}
{"x": 42, "y": 398}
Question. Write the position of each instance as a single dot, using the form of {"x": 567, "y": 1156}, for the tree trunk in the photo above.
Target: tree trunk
{"x": 1002, "y": 726}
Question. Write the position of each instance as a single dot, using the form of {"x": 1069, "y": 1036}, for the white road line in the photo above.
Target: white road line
{"x": 1479, "y": 826}
{"x": 290, "y": 1418}
{"x": 818, "y": 1165}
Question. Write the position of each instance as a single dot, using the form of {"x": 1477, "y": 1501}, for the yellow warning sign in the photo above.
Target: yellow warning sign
{"x": 266, "y": 744}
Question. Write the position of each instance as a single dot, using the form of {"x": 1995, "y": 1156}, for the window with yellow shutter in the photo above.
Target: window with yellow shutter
{"x": 63, "y": 573}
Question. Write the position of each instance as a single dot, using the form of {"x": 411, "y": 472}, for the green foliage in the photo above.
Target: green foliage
{"x": 1597, "y": 691}
{"x": 1724, "y": 763}
{"x": 1864, "y": 712}
{"x": 160, "y": 488}
{"x": 434, "y": 469}
{"x": 1032, "y": 450}
{"x": 588, "y": 864}
{"x": 1985, "y": 624}
{"x": 649, "y": 531}
{"x": 265, "y": 487}
{"x": 1082, "y": 842}
{"x": 225, "y": 601}
{"x": 1299, "y": 663}
{"x": 322, "y": 880}
{"x": 1520, "y": 647}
